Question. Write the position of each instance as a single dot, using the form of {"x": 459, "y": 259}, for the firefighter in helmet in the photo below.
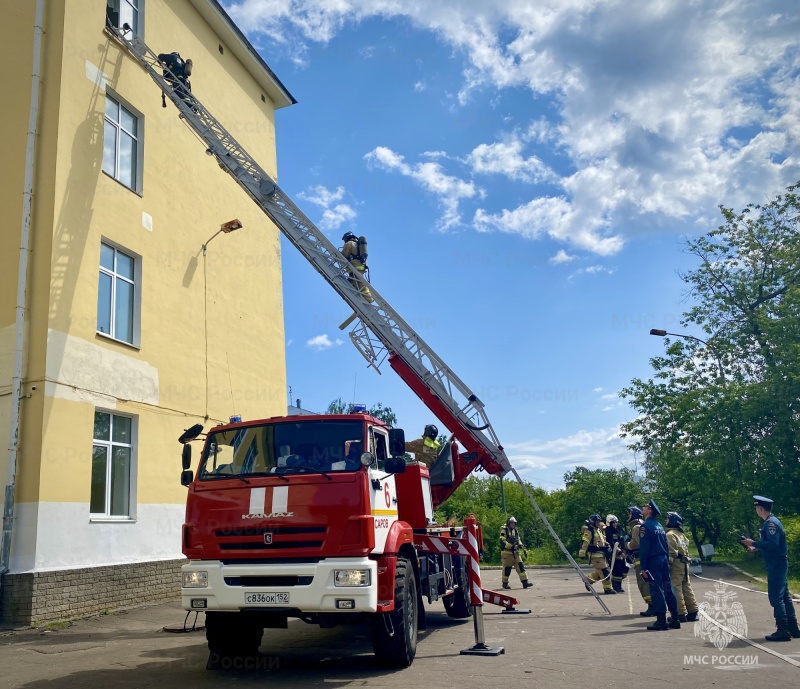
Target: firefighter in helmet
{"x": 595, "y": 547}
{"x": 177, "y": 72}
{"x": 635, "y": 521}
{"x": 426, "y": 449}
{"x": 615, "y": 535}
{"x": 510, "y": 547}
{"x": 679, "y": 568}
{"x": 355, "y": 251}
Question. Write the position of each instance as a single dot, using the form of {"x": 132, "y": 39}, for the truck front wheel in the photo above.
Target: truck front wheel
{"x": 394, "y": 634}
{"x": 457, "y": 604}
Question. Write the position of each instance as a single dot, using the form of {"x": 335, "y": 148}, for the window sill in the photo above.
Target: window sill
{"x": 138, "y": 193}
{"x": 106, "y": 336}
{"x": 112, "y": 520}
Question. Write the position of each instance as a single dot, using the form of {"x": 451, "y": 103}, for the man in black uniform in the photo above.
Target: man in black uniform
{"x": 177, "y": 72}
{"x": 776, "y": 560}
{"x": 654, "y": 556}
{"x": 615, "y": 534}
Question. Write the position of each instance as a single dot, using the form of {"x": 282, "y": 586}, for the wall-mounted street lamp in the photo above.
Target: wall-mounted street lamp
{"x": 227, "y": 228}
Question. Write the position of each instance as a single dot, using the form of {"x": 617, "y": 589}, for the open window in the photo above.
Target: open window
{"x": 130, "y": 12}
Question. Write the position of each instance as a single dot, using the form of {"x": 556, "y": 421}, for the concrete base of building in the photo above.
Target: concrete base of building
{"x": 36, "y": 598}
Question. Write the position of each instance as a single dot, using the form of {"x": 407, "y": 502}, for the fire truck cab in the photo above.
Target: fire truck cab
{"x": 313, "y": 517}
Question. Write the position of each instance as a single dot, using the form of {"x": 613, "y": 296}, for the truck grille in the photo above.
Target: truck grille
{"x": 260, "y": 545}
{"x": 283, "y": 538}
{"x": 276, "y": 531}
{"x": 288, "y": 580}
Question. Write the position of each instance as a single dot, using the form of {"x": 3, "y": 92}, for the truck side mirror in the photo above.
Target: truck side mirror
{"x": 187, "y": 477}
{"x": 186, "y": 456}
{"x": 395, "y": 465}
{"x": 397, "y": 442}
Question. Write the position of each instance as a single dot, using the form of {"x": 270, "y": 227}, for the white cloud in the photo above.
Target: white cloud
{"x": 419, "y": 86}
{"x": 334, "y": 214}
{"x": 598, "y": 390}
{"x": 561, "y": 257}
{"x": 448, "y": 189}
{"x": 601, "y": 448}
{"x": 660, "y": 111}
{"x": 322, "y": 342}
{"x": 592, "y": 270}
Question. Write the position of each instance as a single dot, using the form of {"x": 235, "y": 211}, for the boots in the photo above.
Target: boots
{"x": 588, "y": 587}
{"x": 660, "y": 624}
{"x": 782, "y": 633}
{"x": 649, "y": 612}
{"x": 794, "y": 630}
{"x": 506, "y": 585}
{"x": 526, "y": 584}
{"x": 608, "y": 592}
{"x": 683, "y": 618}
{"x": 674, "y": 621}
{"x": 691, "y": 617}
{"x": 617, "y": 586}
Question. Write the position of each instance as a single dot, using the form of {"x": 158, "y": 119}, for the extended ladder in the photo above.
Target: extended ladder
{"x": 380, "y": 331}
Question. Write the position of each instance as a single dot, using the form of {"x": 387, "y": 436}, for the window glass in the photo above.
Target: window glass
{"x": 110, "y": 149}
{"x": 121, "y": 143}
{"x": 107, "y": 257}
{"x": 97, "y": 501}
{"x": 120, "y": 481}
{"x": 104, "y": 304}
{"x": 123, "y": 316}
{"x": 102, "y": 426}
{"x": 125, "y": 265}
{"x": 122, "y": 430}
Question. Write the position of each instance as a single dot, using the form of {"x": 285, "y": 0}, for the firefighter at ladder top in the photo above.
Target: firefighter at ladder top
{"x": 594, "y": 546}
{"x": 355, "y": 251}
{"x": 425, "y": 449}
{"x": 177, "y": 72}
{"x": 615, "y": 535}
{"x": 634, "y": 522}
{"x": 510, "y": 545}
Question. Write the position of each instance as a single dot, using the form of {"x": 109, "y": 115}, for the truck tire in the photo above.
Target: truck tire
{"x": 394, "y": 634}
{"x": 231, "y": 635}
{"x": 457, "y": 604}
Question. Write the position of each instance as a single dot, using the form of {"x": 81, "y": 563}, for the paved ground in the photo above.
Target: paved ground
{"x": 567, "y": 641}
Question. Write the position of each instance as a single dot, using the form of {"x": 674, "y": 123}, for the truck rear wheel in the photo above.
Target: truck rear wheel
{"x": 394, "y": 634}
{"x": 231, "y": 635}
{"x": 457, "y": 604}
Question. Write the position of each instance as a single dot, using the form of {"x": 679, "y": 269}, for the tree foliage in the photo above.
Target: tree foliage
{"x": 385, "y": 414}
{"x": 718, "y": 420}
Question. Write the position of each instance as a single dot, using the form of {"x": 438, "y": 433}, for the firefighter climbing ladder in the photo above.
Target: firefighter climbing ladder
{"x": 380, "y": 331}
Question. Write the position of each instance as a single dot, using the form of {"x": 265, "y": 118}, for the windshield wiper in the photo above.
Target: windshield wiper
{"x": 311, "y": 470}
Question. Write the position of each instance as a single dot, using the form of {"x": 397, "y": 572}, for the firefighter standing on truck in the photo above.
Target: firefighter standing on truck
{"x": 510, "y": 545}
{"x": 634, "y": 522}
{"x": 679, "y": 568}
{"x": 425, "y": 449}
{"x": 594, "y": 546}
{"x": 355, "y": 251}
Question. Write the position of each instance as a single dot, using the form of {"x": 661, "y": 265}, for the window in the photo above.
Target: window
{"x": 112, "y": 465}
{"x": 121, "y": 12}
{"x": 117, "y": 295}
{"x": 122, "y": 144}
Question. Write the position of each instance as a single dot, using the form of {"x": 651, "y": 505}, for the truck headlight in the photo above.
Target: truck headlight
{"x": 195, "y": 580}
{"x": 351, "y": 577}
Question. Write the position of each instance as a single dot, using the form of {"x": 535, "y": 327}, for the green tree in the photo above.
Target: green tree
{"x": 719, "y": 419}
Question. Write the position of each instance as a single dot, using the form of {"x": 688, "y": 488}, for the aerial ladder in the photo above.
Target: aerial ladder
{"x": 379, "y": 332}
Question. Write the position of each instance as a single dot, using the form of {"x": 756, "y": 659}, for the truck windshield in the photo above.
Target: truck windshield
{"x": 283, "y": 448}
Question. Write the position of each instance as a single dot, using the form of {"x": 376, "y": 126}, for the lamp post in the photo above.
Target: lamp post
{"x": 663, "y": 333}
{"x": 225, "y": 228}
{"x": 737, "y": 455}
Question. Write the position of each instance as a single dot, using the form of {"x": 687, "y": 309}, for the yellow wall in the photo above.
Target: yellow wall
{"x": 236, "y": 285}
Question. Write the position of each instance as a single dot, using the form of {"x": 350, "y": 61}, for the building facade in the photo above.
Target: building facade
{"x": 136, "y": 326}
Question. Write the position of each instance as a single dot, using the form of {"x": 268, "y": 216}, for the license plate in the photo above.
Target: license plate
{"x": 266, "y": 598}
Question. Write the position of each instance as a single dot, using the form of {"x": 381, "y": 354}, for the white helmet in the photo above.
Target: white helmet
{"x": 611, "y": 518}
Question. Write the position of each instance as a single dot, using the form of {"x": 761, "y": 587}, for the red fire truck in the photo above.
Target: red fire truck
{"x": 319, "y": 518}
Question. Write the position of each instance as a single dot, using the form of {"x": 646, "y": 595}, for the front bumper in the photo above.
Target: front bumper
{"x": 319, "y": 595}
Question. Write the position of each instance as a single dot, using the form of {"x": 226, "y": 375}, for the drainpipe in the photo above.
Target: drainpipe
{"x": 16, "y": 384}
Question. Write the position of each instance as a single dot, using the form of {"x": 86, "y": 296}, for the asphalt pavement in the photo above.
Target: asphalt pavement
{"x": 567, "y": 640}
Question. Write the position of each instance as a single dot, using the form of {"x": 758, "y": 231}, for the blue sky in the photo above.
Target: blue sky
{"x": 526, "y": 175}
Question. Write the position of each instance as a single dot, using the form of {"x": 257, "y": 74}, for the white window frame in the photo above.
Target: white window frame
{"x": 137, "y": 293}
{"x": 137, "y": 6}
{"x": 138, "y": 138}
{"x": 109, "y": 445}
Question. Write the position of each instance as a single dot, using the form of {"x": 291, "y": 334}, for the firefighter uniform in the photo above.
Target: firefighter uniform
{"x": 634, "y": 522}
{"x": 510, "y": 546}
{"x": 615, "y": 535}
{"x": 425, "y": 450}
{"x": 593, "y": 545}
{"x": 678, "y": 546}
{"x": 177, "y": 72}
{"x": 358, "y": 263}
